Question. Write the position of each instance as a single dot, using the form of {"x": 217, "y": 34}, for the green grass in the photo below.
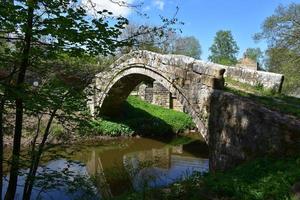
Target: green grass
{"x": 140, "y": 117}
{"x": 261, "y": 179}
{"x": 273, "y": 101}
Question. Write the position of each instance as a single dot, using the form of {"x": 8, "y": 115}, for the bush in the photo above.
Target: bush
{"x": 104, "y": 127}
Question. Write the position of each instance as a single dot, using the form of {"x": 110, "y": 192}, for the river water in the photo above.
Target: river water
{"x": 110, "y": 168}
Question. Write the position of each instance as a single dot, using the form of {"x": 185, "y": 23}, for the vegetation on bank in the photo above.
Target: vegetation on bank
{"x": 264, "y": 178}
{"x": 280, "y": 102}
{"x": 140, "y": 117}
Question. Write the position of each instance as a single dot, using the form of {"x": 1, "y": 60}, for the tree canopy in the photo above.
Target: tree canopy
{"x": 188, "y": 46}
{"x": 224, "y": 49}
{"x": 35, "y": 34}
{"x": 282, "y": 32}
{"x": 254, "y": 54}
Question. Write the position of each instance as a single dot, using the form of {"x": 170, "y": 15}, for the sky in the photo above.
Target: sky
{"x": 203, "y": 18}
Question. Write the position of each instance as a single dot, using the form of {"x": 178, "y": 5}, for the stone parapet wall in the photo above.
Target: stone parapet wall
{"x": 240, "y": 129}
{"x": 266, "y": 80}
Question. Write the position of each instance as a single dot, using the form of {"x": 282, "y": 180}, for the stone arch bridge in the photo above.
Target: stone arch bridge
{"x": 235, "y": 128}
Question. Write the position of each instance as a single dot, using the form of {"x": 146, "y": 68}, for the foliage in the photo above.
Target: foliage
{"x": 143, "y": 118}
{"x": 188, "y": 46}
{"x": 224, "y": 49}
{"x": 161, "y": 41}
{"x": 35, "y": 33}
{"x": 282, "y": 28}
{"x": 105, "y": 127}
{"x": 264, "y": 178}
{"x": 254, "y": 54}
{"x": 151, "y": 38}
{"x": 286, "y": 62}
{"x": 282, "y": 32}
{"x": 271, "y": 178}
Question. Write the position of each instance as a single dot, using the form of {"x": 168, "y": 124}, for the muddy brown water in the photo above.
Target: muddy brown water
{"x": 111, "y": 168}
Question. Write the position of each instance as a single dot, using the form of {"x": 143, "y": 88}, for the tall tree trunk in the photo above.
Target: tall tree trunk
{"x": 33, "y": 155}
{"x": 37, "y": 156}
{"x": 1, "y": 143}
{"x": 14, "y": 170}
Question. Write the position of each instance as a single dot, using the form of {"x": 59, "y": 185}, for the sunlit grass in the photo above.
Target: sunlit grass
{"x": 273, "y": 101}
{"x": 140, "y": 117}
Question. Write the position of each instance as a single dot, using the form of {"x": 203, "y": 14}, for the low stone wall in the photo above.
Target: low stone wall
{"x": 241, "y": 129}
{"x": 266, "y": 80}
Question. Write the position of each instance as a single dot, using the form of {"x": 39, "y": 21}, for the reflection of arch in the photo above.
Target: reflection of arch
{"x": 95, "y": 168}
{"x": 186, "y": 78}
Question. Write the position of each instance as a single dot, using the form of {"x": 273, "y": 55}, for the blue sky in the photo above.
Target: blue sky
{"x": 203, "y": 18}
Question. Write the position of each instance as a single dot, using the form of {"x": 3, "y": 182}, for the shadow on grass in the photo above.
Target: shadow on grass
{"x": 141, "y": 122}
{"x": 278, "y": 102}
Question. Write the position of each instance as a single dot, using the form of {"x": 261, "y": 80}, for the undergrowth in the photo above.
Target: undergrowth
{"x": 261, "y": 179}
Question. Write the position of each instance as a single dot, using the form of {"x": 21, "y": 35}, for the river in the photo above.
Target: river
{"x": 109, "y": 168}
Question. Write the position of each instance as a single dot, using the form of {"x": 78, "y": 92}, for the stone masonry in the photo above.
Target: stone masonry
{"x": 235, "y": 128}
{"x": 157, "y": 94}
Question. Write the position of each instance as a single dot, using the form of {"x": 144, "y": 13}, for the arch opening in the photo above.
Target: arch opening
{"x": 119, "y": 92}
{"x": 121, "y": 85}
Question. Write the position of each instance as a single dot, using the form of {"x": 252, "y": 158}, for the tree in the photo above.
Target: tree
{"x": 40, "y": 31}
{"x": 224, "y": 49}
{"x": 254, "y": 54}
{"x": 48, "y": 42}
{"x": 151, "y": 38}
{"x": 282, "y": 32}
{"x": 188, "y": 46}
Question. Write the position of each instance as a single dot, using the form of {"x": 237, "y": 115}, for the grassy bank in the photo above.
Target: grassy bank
{"x": 264, "y": 178}
{"x": 140, "y": 117}
{"x": 273, "y": 101}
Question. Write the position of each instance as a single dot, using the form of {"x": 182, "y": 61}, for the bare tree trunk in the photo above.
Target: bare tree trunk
{"x": 14, "y": 170}
{"x": 35, "y": 163}
{"x": 1, "y": 143}
{"x": 33, "y": 154}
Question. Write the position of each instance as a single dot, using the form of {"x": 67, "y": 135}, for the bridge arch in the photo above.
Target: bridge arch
{"x": 191, "y": 87}
{"x": 235, "y": 128}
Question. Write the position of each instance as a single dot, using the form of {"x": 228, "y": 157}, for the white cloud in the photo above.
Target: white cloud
{"x": 160, "y": 4}
{"x": 116, "y": 9}
{"x": 147, "y": 8}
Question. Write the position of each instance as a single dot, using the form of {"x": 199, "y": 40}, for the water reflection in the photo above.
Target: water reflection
{"x": 161, "y": 167}
{"x": 106, "y": 170}
{"x": 59, "y": 179}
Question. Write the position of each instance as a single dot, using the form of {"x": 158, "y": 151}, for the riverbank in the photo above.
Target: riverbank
{"x": 137, "y": 119}
{"x": 260, "y": 179}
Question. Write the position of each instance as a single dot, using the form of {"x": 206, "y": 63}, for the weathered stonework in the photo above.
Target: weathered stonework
{"x": 157, "y": 94}
{"x": 235, "y": 128}
{"x": 266, "y": 80}
{"x": 176, "y": 73}
{"x": 240, "y": 129}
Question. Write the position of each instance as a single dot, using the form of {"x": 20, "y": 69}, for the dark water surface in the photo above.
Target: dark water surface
{"x": 110, "y": 168}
